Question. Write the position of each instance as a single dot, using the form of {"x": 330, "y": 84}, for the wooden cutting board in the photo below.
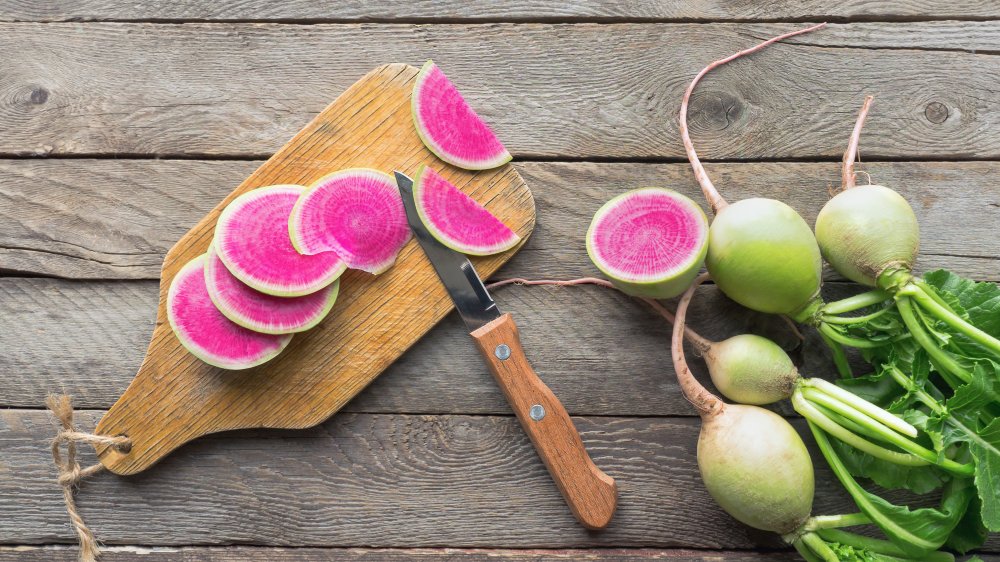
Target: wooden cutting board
{"x": 175, "y": 398}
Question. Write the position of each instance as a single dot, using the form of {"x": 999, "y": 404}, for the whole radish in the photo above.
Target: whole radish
{"x": 870, "y": 234}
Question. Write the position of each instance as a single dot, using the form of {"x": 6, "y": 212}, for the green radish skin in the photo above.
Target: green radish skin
{"x": 756, "y": 467}
{"x": 763, "y": 255}
{"x": 751, "y": 369}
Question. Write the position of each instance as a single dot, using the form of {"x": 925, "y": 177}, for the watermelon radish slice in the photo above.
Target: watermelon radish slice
{"x": 650, "y": 242}
{"x": 449, "y": 127}
{"x": 456, "y": 219}
{"x": 357, "y": 214}
{"x": 261, "y": 312}
{"x": 251, "y": 239}
{"x": 209, "y": 335}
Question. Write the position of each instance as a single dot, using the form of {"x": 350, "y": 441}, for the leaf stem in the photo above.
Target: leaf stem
{"x": 839, "y": 357}
{"x": 862, "y": 405}
{"x": 818, "y": 522}
{"x": 820, "y": 548}
{"x": 878, "y": 546}
{"x": 849, "y": 320}
{"x": 877, "y": 430}
{"x": 940, "y": 356}
{"x": 849, "y": 341}
{"x": 818, "y": 418}
{"x": 856, "y": 302}
{"x": 866, "y": 506}
{"x": 948, "y": 317}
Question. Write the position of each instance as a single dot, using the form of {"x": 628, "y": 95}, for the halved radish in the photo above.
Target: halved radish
{"x": 251, "y": 238}
{"x": 261, "y": 312}
{"x": 357, "y": 214}
{"x": 650, "y": 242}
{"x": 449, "y": 127}
{"x": 206, "y": 332}
{"x": 456, "y": 219}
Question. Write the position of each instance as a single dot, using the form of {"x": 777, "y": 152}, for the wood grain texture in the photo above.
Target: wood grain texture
{"x": 591, "y": 494}
{"x": 277, "y": 554}
{"x": 175, "y": 397}
{"x": 561, "y": 90}
{"x": 88, "y": 339}
{"x": 84, "y": 219}
{"x": 429, "y": 10}
{"x": 383, "y": 480}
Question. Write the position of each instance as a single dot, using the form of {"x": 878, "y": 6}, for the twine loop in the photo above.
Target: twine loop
{"x": 70, "y": 471}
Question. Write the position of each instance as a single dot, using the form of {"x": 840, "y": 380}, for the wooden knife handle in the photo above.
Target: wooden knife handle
{"x": 591, "y": 494}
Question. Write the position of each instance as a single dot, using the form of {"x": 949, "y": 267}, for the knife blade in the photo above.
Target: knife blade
{"x": 591, "y": 494}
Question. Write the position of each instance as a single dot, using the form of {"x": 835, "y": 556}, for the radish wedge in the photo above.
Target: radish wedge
{"x": 357, "y": 214}
{"x": 261, "y": 312}
{"x": 449, "y": 127}
{"x": 206, "y": 332}
{"x": 457, "y": 220}
{"x": 650, "y": 242}
{"x": 251, "y": 238}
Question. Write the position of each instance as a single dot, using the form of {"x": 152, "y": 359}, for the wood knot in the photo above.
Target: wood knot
{"x": 715, "y": 110}
{"x": 39, "y": 95}
{"x": 936, "y": 112}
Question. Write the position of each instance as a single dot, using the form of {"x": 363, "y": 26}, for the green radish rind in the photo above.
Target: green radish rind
{"x": 279, "y": 290}
{"x": 867, "y": 229}
{"x": 500, "y": 159}
{"x": 331, "y": 291}
{"x": 425, "y": 174}
{"x": 756, "y": 467}
{"x": 763, "y": 255}
{"x": 667, "y": 284}
{"x": 751, "y": 369}
{"x": 196, "y": 267}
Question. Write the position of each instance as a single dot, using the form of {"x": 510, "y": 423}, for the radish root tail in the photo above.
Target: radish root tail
{"x": 701, "y": 343}
{"x": 707, "y": 404}
{"x": 707, "y": 187}
{"x": 847, "y": 174}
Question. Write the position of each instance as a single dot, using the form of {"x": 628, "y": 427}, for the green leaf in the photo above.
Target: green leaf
{"x": 986, "y": 451}
{"x": 979, "y": 301}
{"x": 970, "y": 532}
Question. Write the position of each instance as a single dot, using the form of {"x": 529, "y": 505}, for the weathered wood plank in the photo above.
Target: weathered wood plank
{"x": 87, "y": 339}
{"x": 116, "y": 218}
{"x": 278, "y": 554}
{"x": 587, "y": 90}
{"x": 653, "y": 10}
{"x": 382, "y": 480}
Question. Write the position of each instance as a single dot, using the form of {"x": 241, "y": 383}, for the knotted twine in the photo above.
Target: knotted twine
{"x": 70, "y": 472}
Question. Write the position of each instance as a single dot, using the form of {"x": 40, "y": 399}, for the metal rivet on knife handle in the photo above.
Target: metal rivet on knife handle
{"x": 537, "y": 412}
{"x": 503, "y": 352}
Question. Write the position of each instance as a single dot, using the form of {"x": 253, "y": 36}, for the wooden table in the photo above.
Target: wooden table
{"x": 121, "y": 125}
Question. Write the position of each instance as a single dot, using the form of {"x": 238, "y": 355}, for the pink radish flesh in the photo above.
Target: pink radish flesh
{"x": 356, "y": 214}
{"x": 449, "y": 127}
{"x": 206, "y": 332}
{"x": 647, "y": 235}
{"x": 252, "y": 239}
{"x": 261, "y": 312}
{"x": 456, "y": 219}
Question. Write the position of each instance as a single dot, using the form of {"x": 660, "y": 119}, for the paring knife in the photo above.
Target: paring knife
{"x": 591, "y": 494}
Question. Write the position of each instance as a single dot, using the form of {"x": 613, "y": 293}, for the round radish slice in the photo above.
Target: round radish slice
{"x": 251, "y": 238}
{"x": 261, "y": 312}
{"x": 206, "y": 332}
{"x": 357, "y": 214}
{"x": 449, "y": 127}
{"x": 650, "y": 242}
{"x": 456, "y": 219}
